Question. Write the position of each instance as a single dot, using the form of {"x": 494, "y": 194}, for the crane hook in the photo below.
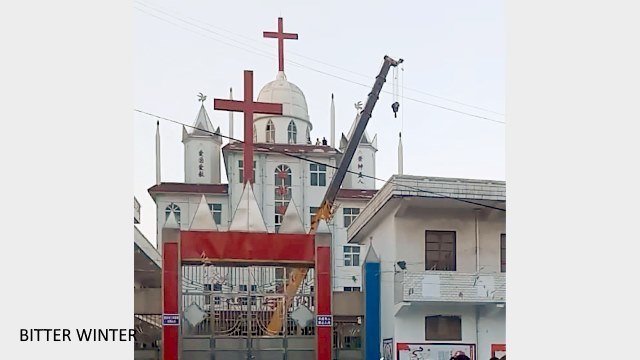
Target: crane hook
{"x": 395, "y": 106}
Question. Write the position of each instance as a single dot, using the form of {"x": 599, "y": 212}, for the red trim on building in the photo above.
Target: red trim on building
{"x": 287, "y": 148}
{"x": 246, "y": 247}
{"x": 189, "y": 188}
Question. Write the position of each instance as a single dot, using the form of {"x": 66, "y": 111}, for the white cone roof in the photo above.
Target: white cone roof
{"x": 291, "y": 221}
{"x": 203, "y": 220}
{"x": 248, "y": 217}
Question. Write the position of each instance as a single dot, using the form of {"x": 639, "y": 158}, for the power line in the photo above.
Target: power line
{"x": 320, "y": 163}
{"x": 316, "y": 70}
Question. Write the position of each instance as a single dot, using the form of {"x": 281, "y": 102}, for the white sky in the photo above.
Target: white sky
{"x": 452, "y": 49}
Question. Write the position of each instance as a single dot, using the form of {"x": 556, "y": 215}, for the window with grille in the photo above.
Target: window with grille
{"x": 271, "y": 132}
{"x": 241, "y": 171}
{"x": 176, "y": 211}
{"x": 443, "y": 328}
{"x": 351, "y": 255}
{"x": 282, "y": 192}
{"x": 318, "y": 174}
{"x": 503, "y": 252}
{"x": 440, "y": 250}
{"x": 349, "y": 215}
{"x": 216, "y": 212}
{"x": 292, "y": 132}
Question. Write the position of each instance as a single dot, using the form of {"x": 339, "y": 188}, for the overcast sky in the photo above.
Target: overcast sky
{"x": 454, "y": 54}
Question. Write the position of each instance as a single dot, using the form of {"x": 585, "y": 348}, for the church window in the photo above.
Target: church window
{"x": 241, "y": 171}
{"x": 351, "y": 255}
{"x": 292, "y": 132}
{"x": 255, "y": 134}
{"x": 440, "y": 250}
{"x": 443, "y": 328}
{"x": 176, "y": 211}
{"x": 282, "y": 181}
{"x": 308, "y": 137}
{"x": 271, "y": 132}
{"x": 349, "y": 214}
{"x": 216, "y": 212}
{"x": 318, "y": 174}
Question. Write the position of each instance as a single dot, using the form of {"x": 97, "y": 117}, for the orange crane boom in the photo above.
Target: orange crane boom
{"x": 325, "y": 210}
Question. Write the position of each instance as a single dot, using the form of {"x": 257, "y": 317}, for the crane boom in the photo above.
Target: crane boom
{"x": 325, "y": 210}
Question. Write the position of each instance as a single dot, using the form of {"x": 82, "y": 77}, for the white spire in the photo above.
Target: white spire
{"x": 400, "y": 156}
{"x": 248, "y": 216}
{"x": 333, "y": 123}
{"x": 158, "y": 153}
{"x": 202, "y": 124}
{"x": 291, "y": 221}
{"x": 231, "y": 116}
{"x": 202, "y": 219}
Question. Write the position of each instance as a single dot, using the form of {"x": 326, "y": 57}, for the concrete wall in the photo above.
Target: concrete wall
{"x": 410, "y": 235}
{"x": 382, "y": 241}
{"x": 410, "y": 323}
{"x": 491, "y": 329}
{"x": 348, "y": 303}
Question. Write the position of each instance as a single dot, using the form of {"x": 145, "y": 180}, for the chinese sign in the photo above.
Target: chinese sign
{"x": 324, "y": 320}
{"x": 201, "y": 164}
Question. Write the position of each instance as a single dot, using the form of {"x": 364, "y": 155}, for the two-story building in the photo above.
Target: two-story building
{"x": 441, "y": 244}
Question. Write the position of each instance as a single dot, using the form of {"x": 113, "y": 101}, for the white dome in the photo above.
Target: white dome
{"x": 281, "y": 91}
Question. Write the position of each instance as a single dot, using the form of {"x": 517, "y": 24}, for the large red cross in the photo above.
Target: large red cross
{"x": 280, "y": 35}
{"x": 248, "y": 107}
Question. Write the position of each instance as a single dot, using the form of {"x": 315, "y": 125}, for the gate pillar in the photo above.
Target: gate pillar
{"x": 170, "y": 289}
{"x": 324, "y": 292}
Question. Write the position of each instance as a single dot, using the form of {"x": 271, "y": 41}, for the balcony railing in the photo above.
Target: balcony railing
{"x": 450, "y": 286}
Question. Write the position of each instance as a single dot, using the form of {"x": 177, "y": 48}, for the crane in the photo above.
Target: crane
{"x": 325, "y": 211}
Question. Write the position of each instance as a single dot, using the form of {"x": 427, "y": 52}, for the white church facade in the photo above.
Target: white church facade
{"x": 441, "y": 245}
{"x": 279, "y": 178}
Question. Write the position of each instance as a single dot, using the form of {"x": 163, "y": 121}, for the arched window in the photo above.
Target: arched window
{"x": 308, "y": 136}
{"x": 292, "y": 132}
{"x": 282, "y": 181}
{"x": 176, "y": 210}
{"x": 255, "y": 134}
{"x": 271, "y": 132}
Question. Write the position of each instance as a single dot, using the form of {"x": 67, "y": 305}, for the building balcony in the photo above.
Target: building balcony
{"x": 449, "y": 286}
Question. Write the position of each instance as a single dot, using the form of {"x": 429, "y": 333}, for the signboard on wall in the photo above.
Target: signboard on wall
{"x": 387, "y": 349}
{"x": 433, "y": 351}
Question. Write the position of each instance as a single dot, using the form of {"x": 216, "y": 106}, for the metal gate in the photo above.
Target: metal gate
{"x": 226, "y": 312}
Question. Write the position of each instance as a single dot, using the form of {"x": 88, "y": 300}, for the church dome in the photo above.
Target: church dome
{"x": 281, "y": 91}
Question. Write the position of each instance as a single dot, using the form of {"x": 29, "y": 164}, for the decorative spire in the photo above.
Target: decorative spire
{"x": 158, "y": 172}
{"x": 400, "y": 155}
{"x": 248, "y": 217}
{"x": 202, "y": 219}
{"x": 333, "y": 123}
{"x": 202, "y": 125}
{"x": 231, "y": 116}
{"x": 291, "y": 221}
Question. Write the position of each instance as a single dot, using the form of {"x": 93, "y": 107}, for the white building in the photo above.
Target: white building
{"x": 441, "y": 246}
{"x": 278, "y": 177}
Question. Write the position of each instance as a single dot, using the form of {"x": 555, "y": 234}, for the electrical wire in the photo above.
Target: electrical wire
{"x": 266, "y": 55}
{"x": 320, "y": 163}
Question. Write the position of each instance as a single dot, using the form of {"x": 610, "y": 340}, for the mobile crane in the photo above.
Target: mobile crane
{"x": 325, "y": 211}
